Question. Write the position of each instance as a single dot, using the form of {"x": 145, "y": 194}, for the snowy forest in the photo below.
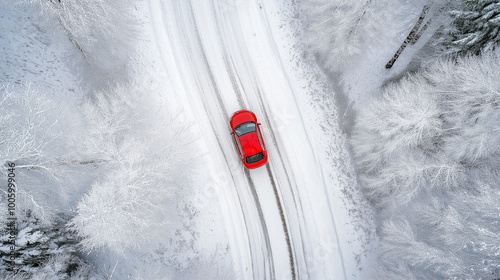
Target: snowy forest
{"x": 98, "y": 179}
{"x": 98, "y": 167}
{"x": 427, "y": 144}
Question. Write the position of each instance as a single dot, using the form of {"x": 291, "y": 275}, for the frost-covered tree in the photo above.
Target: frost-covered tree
{"x": 124, "y": 209}
{"x": 403, "y": 252}
{"x": 30, "y": 126}
{"x": 427, "y": 154}
{"x": 467, "y": 225}
{"x": 144, "y": 162}
{"x": 475, "y": 28}
{"x": 408, "y": 119}
{"x": 469, "y": 91}
{"x": 35, "y": 140}
{"x": 456, "y": 237}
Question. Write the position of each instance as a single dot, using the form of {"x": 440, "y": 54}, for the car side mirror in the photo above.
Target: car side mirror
{"x": 258, "y": 123}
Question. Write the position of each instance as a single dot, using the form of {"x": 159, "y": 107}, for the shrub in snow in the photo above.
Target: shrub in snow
{"x": 144, "y": 161}
{"x": 475, "y": 27}
{"x": 427, "y": 154}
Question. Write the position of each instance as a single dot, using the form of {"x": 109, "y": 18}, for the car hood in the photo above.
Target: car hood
{"x": 250, "y": 144}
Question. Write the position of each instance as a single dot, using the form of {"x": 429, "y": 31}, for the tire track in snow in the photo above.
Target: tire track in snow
{"x": 297, "y": 204}
{"x": 289, "y": 181}
{"x": 233, "y": 74}
{"x": 219, "y": 144}
{"x": 271, "y": 178}
{"x": 332, "y": 216}
{"x": 283, "y": 220}
{"x": 268, "y": 258}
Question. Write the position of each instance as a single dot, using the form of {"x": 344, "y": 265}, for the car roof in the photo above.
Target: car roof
{"x": 250, "y": 144}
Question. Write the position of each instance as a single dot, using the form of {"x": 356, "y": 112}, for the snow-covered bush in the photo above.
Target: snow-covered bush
{"x": 143, "y": 157}
{"x": 427, "y": 154}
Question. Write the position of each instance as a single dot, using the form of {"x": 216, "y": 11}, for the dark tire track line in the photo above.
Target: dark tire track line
{"x": 219, "y": 144}
{"x": 293, "y": 186}
{"x": 339, "y": 249}
{"x": 267, "y": 264}
{"x": 234, "y": 77}
{"x": 310, "y": 144}
{"x": 222, "y": 108}
{"x": 283, "y": 221}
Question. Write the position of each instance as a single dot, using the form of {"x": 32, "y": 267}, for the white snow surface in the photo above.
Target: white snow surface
{"x": 289, "y": 219}
{"x": 293, "y": 218}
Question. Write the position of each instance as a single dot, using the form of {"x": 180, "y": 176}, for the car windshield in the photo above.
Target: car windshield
{"x": 244, "y": 128}
{"x": 255, "y": 158}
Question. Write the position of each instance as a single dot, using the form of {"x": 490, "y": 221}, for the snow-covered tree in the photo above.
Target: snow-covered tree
{"x": 444, "y": 238}
{"x": 42, "y": 252}
{"x": 408, "y": 120}
{"x": 475, "y": 28}
{"x": 402, "y": 251}
{"x": 427, "y": 154}
{"x": 35, "y": 140}
{"x": 145, "y": 163}
{"x": 470, "y": 94}
{"x": 125, "y": 209}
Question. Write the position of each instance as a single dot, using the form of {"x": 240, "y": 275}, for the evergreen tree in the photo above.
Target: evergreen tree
{"x": 47, "y": 252}
{"x": 475, "y": 28}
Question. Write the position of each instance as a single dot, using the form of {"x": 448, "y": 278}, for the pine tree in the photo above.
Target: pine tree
{"x": 48, "y": 251}
{"x": 475, "y": 28}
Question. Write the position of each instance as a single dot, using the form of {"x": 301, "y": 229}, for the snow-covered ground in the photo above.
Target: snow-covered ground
{"x": 295, "y": 218}
{"x": 366, "y": 73}
{"x": 289, "y": 219}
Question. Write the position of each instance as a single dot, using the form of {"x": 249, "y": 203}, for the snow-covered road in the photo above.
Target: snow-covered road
{"x": 285, "y": 220}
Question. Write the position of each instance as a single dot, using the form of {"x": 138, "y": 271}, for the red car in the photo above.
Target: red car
{"x": 248, "y": 138}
